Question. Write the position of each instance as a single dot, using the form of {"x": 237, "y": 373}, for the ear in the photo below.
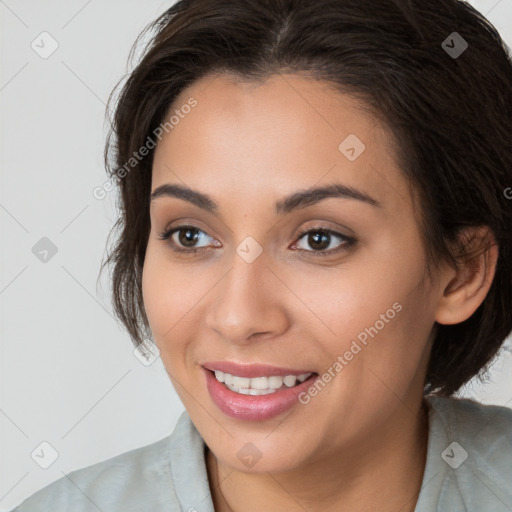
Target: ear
{"x": 464, "y": 289}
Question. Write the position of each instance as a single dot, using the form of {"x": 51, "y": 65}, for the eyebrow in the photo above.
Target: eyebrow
{"x": 297, "y": 200}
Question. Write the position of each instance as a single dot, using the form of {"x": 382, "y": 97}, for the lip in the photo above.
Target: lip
{"x": 254, "y": 407}
{"x": 252, "y": 370}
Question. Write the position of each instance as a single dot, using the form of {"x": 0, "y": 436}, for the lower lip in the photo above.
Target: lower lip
{"x": 254, "y": 407}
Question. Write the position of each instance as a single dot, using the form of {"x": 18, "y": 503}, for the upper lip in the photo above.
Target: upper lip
{"x": 251, "y": 370}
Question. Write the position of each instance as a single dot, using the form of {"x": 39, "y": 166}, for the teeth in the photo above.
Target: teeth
{"x": 289, "y": 380}
{"x": 275, "y": 382}
{"x": 241, "y": 382}
{"x": 261, "y": 391}
{"x": 245, "y": 391}
{"x": 259, "y": 385}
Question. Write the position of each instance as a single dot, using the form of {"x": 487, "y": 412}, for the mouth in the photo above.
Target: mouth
{"x": 255, "y": 392}
{"x": 263, "y": 385}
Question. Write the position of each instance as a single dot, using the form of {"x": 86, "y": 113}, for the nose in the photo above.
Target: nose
{"x": 249, "y": 302}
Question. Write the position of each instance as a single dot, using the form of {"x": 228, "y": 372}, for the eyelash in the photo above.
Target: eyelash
{"x": 348, "y": 241}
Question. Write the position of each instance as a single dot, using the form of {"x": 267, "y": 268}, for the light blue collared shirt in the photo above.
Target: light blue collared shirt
{"x": 468, "y": 469}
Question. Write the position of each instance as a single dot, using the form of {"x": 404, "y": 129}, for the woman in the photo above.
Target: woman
{"x": 316, "y": 232}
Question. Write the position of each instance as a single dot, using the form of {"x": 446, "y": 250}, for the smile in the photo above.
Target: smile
{"x": 254, "y": 392}
{"x": 259, "y": 385}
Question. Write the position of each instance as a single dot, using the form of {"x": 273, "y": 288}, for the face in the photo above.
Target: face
{"x": 330, "y": 285}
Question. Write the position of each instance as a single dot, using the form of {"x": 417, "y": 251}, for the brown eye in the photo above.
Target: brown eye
{"x": 184, "y": 242}
{"x": 187, "y": 236}
{"x": 320, "y": 239}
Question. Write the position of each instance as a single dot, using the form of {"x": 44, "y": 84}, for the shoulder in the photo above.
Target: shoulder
{"x": 469, "y": 459}
{"x": 133, "y": 480}
{"x": 483, "y": 427}
{"x": 167, "y": 475}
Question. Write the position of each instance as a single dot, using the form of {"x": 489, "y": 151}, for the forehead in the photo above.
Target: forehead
{"x": 271, "y": 137}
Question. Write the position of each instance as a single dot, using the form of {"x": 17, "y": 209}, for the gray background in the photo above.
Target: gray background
{"x": 68, "y": 375}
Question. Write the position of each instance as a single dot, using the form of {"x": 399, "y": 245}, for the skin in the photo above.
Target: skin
{"x": 360, "y": 443}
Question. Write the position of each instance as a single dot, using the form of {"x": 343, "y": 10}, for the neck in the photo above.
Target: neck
{"x": 383, "y": 472}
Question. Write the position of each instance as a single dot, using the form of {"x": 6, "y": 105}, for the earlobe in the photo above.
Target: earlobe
{"x": 463, "y": 292}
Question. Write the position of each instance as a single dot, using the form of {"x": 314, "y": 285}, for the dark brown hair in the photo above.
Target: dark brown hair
{"x": 450, "y": 115}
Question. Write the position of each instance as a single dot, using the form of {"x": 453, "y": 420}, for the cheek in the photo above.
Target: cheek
{"x": 162, "y": 290}
{"x": 153, "y": 289}
{"x": 173, "y": 295}
{"x": 164, "y": 306}
{"x": 347, "y": 299}
{"x": 373, "y": 309}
